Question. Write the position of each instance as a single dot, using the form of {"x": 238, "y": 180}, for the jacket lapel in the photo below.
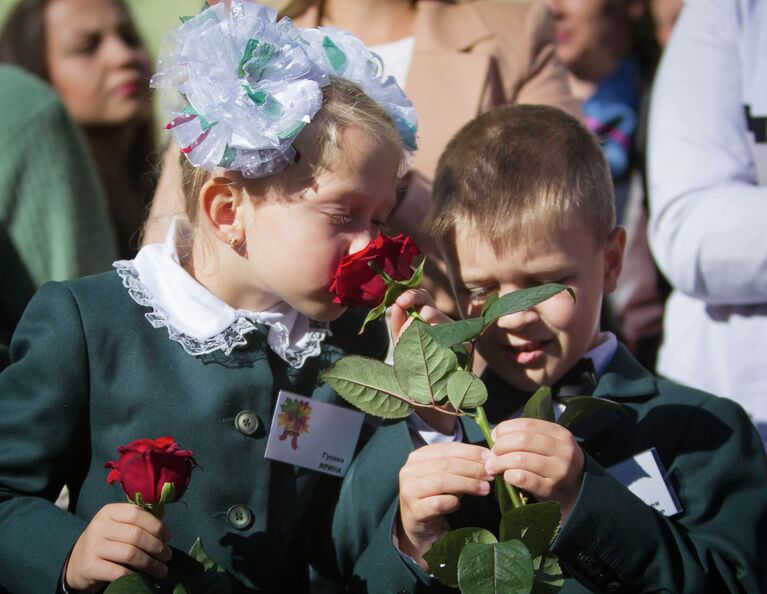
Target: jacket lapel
{"x": 445, "y": 81}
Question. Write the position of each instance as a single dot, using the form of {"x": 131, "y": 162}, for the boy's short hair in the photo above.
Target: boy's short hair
{"x": 520, "y": 170}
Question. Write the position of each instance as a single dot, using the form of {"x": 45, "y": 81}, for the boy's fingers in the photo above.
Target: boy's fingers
{"x": 526, "y": 441}
{"x": 425, "y": 510}
{"x": 442, "y": 484}
{"x": 419, "y": 471}
{"x": 526, "y": 461}
{"x": 453, "y": 449}
{"x": 530, "y": 425}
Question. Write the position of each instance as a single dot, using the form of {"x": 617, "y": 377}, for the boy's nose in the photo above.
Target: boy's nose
{"x": 518, "y": 321}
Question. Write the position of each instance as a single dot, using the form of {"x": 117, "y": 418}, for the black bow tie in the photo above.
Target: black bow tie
{"x": 580, "y": 380}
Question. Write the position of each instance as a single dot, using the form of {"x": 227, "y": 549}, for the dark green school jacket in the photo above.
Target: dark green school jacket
{"x": 89, "y": 373}
{"x": 612, "y": 541}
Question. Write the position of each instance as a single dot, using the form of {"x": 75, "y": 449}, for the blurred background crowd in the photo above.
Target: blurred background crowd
{"x": 80, "y": 171}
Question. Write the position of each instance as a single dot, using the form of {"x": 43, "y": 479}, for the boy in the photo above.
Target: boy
{"x": 522, "y": 197}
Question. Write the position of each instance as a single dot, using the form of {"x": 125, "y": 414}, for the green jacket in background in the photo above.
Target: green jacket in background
{"x": 89, "y": 373}
{"x": 612, "y": 541}
{"x": 54, "y": 221}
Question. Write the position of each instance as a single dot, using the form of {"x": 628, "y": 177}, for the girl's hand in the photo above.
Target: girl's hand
{"x": 430, "y": 485}
{"x": 119, "y": 538}
{"x": 540, "y": 457}
{"x": 421, "y": 301}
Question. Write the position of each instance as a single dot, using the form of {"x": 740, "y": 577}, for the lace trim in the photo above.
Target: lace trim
{"x": 231, "y": 337}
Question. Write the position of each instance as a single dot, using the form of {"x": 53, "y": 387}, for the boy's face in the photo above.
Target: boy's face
{"x": 536, "y": 347}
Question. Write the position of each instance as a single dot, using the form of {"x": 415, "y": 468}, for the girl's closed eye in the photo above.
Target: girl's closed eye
{"x": 477, "y": 294}
{"x": 339, "y": 219}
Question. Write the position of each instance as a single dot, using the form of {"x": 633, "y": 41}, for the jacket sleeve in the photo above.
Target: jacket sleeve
{"x": 707, "y": 211}
{"x": 614, "y": 542}
{"x": 44, "y": 427}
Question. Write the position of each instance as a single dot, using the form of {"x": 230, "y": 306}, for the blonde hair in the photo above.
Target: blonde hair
{"x": 317, "y": 146}
{"x": 520, "y": 170}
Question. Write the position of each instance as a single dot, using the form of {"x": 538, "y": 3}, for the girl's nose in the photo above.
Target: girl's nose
{"x": 360, "y": 240}
{"x": 122, "y": 53}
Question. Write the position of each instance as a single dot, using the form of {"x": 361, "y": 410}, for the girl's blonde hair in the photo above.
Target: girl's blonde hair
{"x": 317, "y": 146}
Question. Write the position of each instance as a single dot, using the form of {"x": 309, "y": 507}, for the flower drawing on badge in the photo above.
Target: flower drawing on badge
{"x": 294, "y": 419}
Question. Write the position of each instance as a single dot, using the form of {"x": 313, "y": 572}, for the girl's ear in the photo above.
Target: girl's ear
{"x": 613, "y": 258}
{"x": 220, "y": 201}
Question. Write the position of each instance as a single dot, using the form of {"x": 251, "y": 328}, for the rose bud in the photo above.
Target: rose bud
{"x": 355, "y": 282}
{"x": 146, "y": 465}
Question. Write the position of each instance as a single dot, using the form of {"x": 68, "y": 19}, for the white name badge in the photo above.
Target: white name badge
{"x": 645, "y": 477}
{"x": 313, "y": 434}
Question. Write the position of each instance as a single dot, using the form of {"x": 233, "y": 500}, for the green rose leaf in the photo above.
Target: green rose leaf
{"x": 443, "y": 555}
{"x": 535, "y": 524}
{"x": 499, "y": 568}
{"x": 521, "y": 300}
{"x": 422, "y": 366}
{"x": 455, "y": 333}
{"x": 198, "y": 553}
{"x": 547, "y": 575}
{"x": 465, "y": 390}
{"x": 540, "y": 406}
{"x": 489, "y": 302}
{"x": 180, "y": 589}
{"x": 132, "y": 583}
{"x": 582, "y": 407}
{"x": 370, "y": 385}
{"x": 394, "y": 289}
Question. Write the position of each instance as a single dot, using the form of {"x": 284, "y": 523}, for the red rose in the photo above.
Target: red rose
{"x": 356, "y": 283}
{"x": 147, "y": 464}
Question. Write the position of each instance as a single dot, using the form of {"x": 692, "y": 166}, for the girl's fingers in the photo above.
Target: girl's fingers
{"x": 452, "y": 449}
{"x": 127, "y": 513}
{"x": 427, "y": 509}
{"x": 138, "y": 537}
{"x": 530, "y": 425}
{"x": 132, "y": 557}
{"x": 431, "y": 485}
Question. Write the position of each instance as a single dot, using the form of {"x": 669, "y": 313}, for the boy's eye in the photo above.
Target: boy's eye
{"x": 480, "y": 293}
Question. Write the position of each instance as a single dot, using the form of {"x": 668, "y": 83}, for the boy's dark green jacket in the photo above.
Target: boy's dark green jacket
{"x": 612, "y": 541}
{"x": 89, "y": 373}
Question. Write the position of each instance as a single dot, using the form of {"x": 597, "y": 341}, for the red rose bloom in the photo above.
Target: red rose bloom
{"x": 356, "y": 283}
{"x": 147, "y": 464}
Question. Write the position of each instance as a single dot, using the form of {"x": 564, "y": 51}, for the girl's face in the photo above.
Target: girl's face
{"x": 96, "y": 61}
{"x": 294, "y": 245}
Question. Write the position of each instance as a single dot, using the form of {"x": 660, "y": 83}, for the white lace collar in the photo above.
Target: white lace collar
{"x": 201, "y": 322}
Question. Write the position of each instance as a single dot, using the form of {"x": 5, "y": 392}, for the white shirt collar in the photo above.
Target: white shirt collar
{"x": 200, "y": 321}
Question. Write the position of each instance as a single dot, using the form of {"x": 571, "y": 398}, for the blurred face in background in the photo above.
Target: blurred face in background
{"x": 665, "y": 13}
{"x": 96, "y": 61}
{"x": 592, "y": 32}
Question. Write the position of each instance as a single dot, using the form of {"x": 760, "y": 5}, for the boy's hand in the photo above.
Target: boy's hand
{"x": 119, "y": 538}
{"x": 419, "y": 300}
{"x": 430, "y": 485}
{"x": 540, "y": 457}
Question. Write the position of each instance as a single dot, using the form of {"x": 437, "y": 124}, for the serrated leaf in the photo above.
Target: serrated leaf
{"x": 198, "y": 553}
{"x": 443, "y": 555}
{"x": 500, "y": 568}
{"x": 489, "y": 302}
{"x": 465, "y": 390}
{"x": 455, "y": 333}
{"x": 370, "y": 385}
{"x": 582, "y": 407}
{"x": 422, "y": 366}
{"x": 131, "y": 583}
{"x": 523, "y": 299}
{"x": 540, "y": 405}
{"x": 547, "y": 575}
{"x": 535, "y": 524}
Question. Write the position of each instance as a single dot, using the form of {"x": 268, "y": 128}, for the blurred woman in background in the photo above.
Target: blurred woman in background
{"x": 91, "y": 54}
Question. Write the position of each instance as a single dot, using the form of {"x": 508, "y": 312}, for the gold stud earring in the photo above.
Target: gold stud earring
{"x": 233, "y": 243}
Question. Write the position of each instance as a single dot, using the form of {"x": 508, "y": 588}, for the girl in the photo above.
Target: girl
{"x": 290, "y": 170}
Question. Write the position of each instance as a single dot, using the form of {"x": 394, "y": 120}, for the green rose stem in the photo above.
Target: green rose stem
{"x": 484, "y": 425}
